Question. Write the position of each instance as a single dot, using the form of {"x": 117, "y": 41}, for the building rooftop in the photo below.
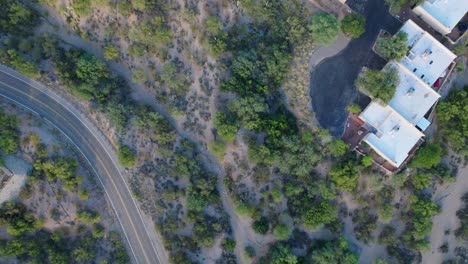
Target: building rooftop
{"x": 427, "y": 58}
{"x": 391, "y": 135}
{"x": 446, "y": 12}
{"x": 413, "y": 98}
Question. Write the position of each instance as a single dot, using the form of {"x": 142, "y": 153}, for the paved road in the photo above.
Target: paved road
{"x": 332, "y": 82}
{"x": 94, "y": 148}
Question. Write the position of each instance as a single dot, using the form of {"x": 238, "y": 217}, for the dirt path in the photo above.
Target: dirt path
{"x": 328, "y": 51}
{"x": 448, "y": 197}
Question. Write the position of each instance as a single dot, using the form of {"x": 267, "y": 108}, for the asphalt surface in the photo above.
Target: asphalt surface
{"x": 332, "y": 82}
{"x": 94, "y": 148}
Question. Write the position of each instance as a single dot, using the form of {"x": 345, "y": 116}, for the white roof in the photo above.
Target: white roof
{"x": 412, "y": 98}
{"x": 447, "y": 12}
{"x": 394, "y": 136}
{"x": 428, "y": 58}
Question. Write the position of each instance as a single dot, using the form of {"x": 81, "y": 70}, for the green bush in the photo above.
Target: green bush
{"x": 139, "y": 76}
{"x": 353, "y": 25}
{"x": 394, "y": 48}
{"x": 354, "y": 108}
{"x": 17, "y": 218}
{"x": 282, "y": 231}
{"x": 226, "y": 126}
{"x": 345, "y": 175}
{"x": 9, "y": 137}
{"x": 261, "y": 226}
{"x": 338, "y": 148}
{"x": 17, "y": 17}
{"x": 126, "y": 156}
{"x": 82, "y": 7}
{"x": 88, "y": 216}
{"x": 451, "y": 114}
{"x": 319, "y": 215}
{"x": 229, "y": 245}
{"x": 22, "y": 65}
{"x": 421, "y": 180}
{"x": 111, "y": 52}
{"x": 428, "y": 156}
{"x": 379, "y": 84}
{"x": 324, "y": 28}
{"x": 217, "y": 148}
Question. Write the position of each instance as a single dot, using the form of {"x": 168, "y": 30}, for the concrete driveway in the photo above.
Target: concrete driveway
{"x": 332, "y": 82}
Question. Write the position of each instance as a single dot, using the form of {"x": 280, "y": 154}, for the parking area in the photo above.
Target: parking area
{"x": 332, "y": 81}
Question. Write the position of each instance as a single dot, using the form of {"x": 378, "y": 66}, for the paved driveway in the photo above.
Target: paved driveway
{"x": 332, "y": 82}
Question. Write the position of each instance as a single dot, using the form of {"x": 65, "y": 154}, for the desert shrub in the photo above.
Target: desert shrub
{"x": 353, "y": 25}
{"x": 118, "y": 115}
{"x": 324, "y": 28}
{"x": 83, "y": 194}
{"x": 226, "y": 126}
{"x": 337, "y": 148}
{"x": 282, "y": 231}
{"x": 279, "y": 253}
{"x": 320, "y": 214}
{"x": 421, "y": 180}
{"x": 379, "y": 84}
{"x": 354, "y": 108}
{"x": 174, "y": 79}
{"x": 365, "y": 224}
{"x": 260, "y": 154}
{"x": 17, "y": 218}
{"x": 451, "y": 113}
{"x": 139, "y": 75}
{"x": 9, "y": 138}
{"x": 261, "y": 226}
{"x": 24, "y": 66}
{"x": 333, "y": 251}
{"x": 63, "y": 169}
{"x": 217, "y": 148}
{"x": 298, "y": 155}
{"x": 88, "y": 216}
{"x": 345, "y": 175}
{"x": 17, "y": 17}
{"x": 388, "y": 236}
{"x": 82, "y": 7}
{"x": 229, "y": 245}
{"x": 393, "y": 48}
{"x": 367, "y": 161}
{"x": 111, "y": 52}
{"x": 428, "y": 156}
{"x": 126, "y": 156}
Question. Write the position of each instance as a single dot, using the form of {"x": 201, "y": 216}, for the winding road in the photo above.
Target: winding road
{"x": 96, "y": 150}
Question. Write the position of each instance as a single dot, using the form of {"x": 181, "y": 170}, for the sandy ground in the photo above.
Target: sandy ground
{"x": 448, "y": 197}
{"x": 20, "y": 169}
{"x": 328, "y": 51}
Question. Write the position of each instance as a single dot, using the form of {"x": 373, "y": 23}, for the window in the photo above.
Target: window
{"x": 422, "y": 76}
{"x": 431, "y": 62}
{"x": 414, "y": 69}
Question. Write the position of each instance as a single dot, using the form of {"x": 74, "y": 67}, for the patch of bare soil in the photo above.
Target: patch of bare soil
{"x": 49, "y": 200}
{"x": 446, "y": 222}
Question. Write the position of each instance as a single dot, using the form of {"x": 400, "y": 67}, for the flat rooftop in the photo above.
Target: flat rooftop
{"x": 447, "y": 12}
{"x": 427, "y": 58}
{"x": 413, "y": 98}
{"x": 392, "y": 136}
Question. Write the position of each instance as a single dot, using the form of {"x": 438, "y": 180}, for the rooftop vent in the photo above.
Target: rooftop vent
{"x": 410, "y": 92}
{"x": 394, "y": 130}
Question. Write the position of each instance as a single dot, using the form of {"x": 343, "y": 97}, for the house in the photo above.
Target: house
{"x": 390, "y": 135}
{"x": 427, "y": 58}
{"x": 413, "y": 98}
{"x": 392, "y": 132}
{"x": 442, "y": 15}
